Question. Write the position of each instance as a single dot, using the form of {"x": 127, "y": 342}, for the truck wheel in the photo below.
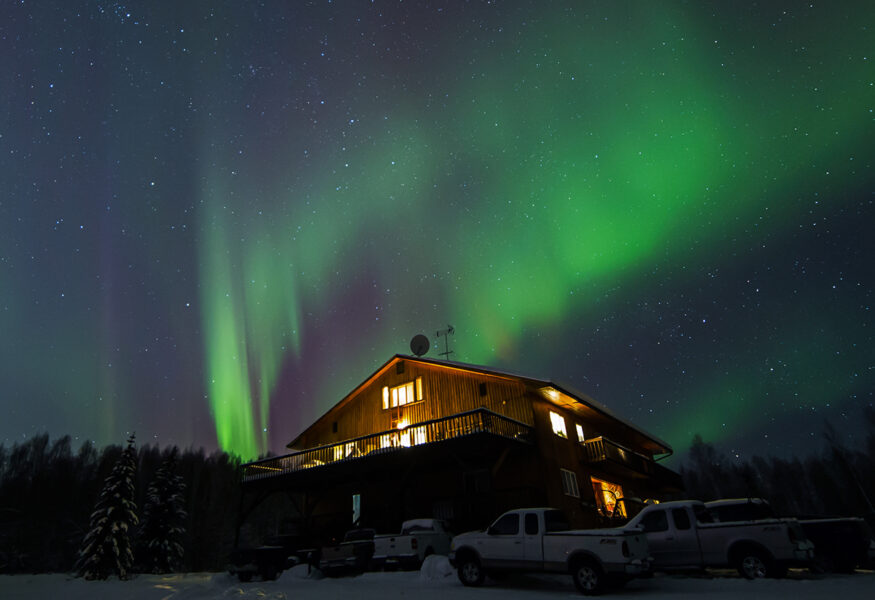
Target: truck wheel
{"x": 588, "y": 577}
{"x": 470, "y": 572}
{"x": 753, "y": 564}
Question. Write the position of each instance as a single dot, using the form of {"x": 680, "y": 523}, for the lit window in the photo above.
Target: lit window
{"x": 606, "y": 496}
{"x": 580, "y": 437}
{"x": 402, "y": 394}
{"x": 342, "y": 451}
{"x": 419, "y": 436}
{"x": 569, "y": 483}
{"x": 356, "y": 508}
{"x": 413, "y": 437}
{"x": 558, "y": 423}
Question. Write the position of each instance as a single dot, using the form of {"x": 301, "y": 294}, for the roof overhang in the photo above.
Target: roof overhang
{"x": 560, "y": 395}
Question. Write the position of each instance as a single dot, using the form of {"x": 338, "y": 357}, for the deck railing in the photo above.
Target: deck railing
{"x": 455, "y": 426}
{"x": 601, "y": 449}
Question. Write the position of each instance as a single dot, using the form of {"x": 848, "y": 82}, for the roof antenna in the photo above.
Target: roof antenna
{"x": 446, "y": 333}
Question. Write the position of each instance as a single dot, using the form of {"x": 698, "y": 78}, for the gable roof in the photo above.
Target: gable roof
{"x": 559, "y": 394}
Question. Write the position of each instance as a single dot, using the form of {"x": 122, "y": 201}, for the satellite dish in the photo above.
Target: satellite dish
{"x": 419, "y": 345}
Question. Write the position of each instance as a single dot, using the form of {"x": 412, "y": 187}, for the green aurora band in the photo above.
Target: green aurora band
{"x": 574, "y": 155}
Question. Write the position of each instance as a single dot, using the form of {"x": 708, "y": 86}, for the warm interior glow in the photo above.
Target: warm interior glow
{"x": 402, "y": 424}
{"x": 558, "y": 423}
{"x": 419, "y": 436}
{"x": 606, "y": 496}
{"x": 580, "y": 437}
{"x": 403, "y": 394}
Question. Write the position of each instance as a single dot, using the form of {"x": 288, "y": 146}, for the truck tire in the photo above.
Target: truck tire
{"x": 588, "y": 577}
{"x": 470, "y": 572}
{"x": 753, "y": 563}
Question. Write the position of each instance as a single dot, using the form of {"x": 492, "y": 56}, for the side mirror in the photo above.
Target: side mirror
{"x": 490, "y": 530}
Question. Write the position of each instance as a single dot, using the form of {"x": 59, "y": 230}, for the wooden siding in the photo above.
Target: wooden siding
{"x": 558, "y": 453}
{"x": 445, "y": 391}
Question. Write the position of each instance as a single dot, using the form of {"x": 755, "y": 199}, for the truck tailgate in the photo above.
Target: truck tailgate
{"x": 613, "y": 546}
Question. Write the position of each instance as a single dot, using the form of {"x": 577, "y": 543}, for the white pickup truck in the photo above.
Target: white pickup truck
{"x": 418, "y": 539}
{"x": 684, "y": 535}
{"x": 539, "y": 539}
{"x": 841, "y": 544}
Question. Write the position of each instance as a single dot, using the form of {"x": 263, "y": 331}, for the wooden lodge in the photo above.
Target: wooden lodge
{"x": 423, "y": 437}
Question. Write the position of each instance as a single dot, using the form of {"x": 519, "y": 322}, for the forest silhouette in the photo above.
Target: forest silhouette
{"x": 48, "y": 491}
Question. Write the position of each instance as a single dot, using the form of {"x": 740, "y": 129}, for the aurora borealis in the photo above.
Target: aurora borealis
{"x": 217, "y": 218}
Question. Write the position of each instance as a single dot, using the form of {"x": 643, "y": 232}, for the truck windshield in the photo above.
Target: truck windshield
{"x": 554, "y": 520}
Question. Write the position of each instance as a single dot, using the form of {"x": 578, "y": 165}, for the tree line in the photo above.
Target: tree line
{"x": 838, "y": 480}
{"x": 49, "y": 493}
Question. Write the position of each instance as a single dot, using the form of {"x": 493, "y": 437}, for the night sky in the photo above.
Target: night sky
{"x": 217, "y": 218}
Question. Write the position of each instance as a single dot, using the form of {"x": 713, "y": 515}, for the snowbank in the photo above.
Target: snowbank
{"x": 436, "y": 581}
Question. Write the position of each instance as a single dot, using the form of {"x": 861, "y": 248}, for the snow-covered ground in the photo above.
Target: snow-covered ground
{"x": 436, "y": 581}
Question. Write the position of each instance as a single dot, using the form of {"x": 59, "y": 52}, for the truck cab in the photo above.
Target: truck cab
{"x": 684, "y": 535}
{"x": 539, "y": 539}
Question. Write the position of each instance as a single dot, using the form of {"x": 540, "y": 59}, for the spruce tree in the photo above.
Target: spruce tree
{"x": 160, "y": 550}
{"x": 106, "y": 549}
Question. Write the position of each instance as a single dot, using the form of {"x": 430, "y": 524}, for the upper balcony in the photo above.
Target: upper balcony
{"x": 475, "y": 422}
{"x": 614, "y": 458}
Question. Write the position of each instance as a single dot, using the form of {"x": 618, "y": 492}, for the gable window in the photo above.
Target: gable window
{"x": 569, "y": 483}
{"x": 400, "y": 395}
{"x": 558, "y": 423}
{"x": 580, "y": 436}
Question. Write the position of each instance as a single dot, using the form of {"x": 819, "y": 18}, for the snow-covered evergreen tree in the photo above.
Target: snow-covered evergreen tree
{"x": 160, "y": 550}
{"x": 107, "y": 549}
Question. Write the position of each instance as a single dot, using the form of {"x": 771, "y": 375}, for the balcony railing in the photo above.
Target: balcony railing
{"x": 603, "y": 450}
{"x": 395, "y": 440}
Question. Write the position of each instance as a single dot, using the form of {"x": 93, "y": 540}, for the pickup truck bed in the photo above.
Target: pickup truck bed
{"x": 684, "y": 535}
{"x": 537, "y": 539}
{"x": 353, "y": 555}
{"x": 418, "y": 539}
{"x": 841, "y": 544}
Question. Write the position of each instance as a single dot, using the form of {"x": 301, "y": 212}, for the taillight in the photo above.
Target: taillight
{"x": 413, "y": 543}
{"x": 625, "y": 549}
